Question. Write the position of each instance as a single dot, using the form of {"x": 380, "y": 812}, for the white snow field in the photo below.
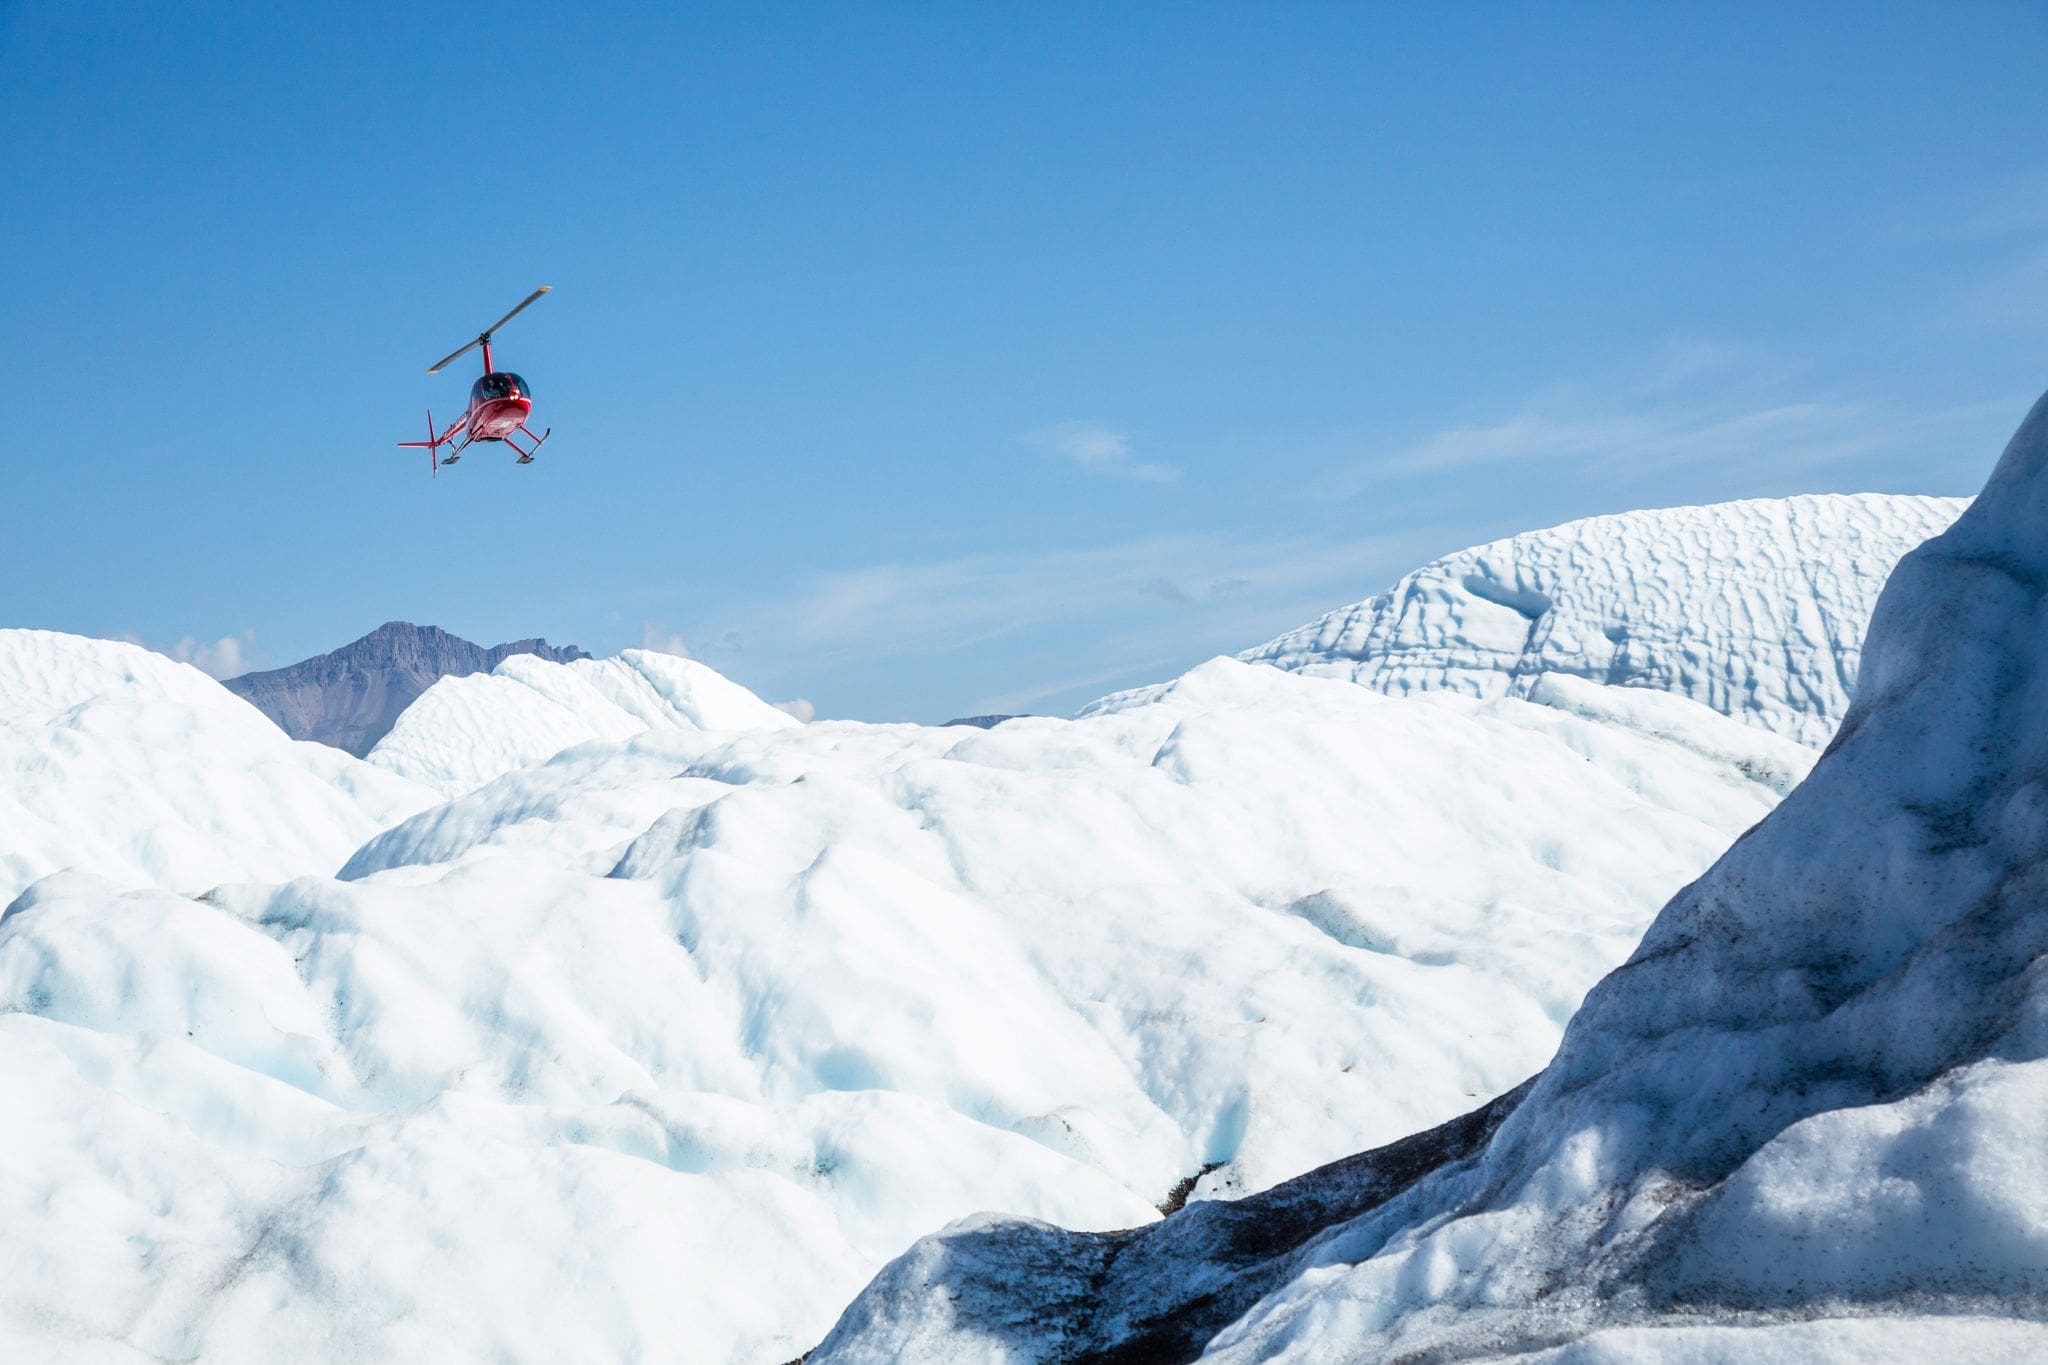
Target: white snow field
{"x": 1807, "y": 1120}
{"x": 147, "y": 771}
{"x": 660, "y": 1048}
{"x": 462, "y": 732}
{"x": 1755, "y": 608}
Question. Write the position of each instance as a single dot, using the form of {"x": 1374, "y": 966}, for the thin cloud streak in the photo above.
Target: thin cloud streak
{"x": 1663, "y": 438}
{"x": 663, "y": 641}
{"x": 1162, "y": 605}
{"x": 1010, "y": 703}
{"x": 957, "y": 603}
{"x": 1099, "y": 450}
{"x": 228, "y": 657}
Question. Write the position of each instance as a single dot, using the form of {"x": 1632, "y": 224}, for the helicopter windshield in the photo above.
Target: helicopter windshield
{"x": 500, "y": 384}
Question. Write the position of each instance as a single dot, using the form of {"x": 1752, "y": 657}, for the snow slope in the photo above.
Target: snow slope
{"x": 1755, "y": 608}
{"x": 660, "y": 1048}
{"x": 119, "y": 760}
{"x": 1812, "y": 1097}
{"x": 464, "y": 731}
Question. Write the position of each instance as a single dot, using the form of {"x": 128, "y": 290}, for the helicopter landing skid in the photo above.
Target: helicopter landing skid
{"x": 526, "y": 456}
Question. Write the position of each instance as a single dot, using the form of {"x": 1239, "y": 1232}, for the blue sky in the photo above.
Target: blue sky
{"x": 925, "y": 360}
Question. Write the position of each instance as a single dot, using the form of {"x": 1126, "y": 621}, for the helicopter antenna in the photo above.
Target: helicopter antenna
{"x": 484, "y": 337}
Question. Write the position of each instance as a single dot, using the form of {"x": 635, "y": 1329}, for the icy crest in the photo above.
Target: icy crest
{"x": 1755, "y": 608}
{"x": 463, "y": 732}
{"x": 1813, "y": 1095}
{"x": 121, "y": 761}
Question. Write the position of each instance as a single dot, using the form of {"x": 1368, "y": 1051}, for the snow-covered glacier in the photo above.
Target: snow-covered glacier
{"x": 608, "y": 1013}
{"x": 119, "y": 760}
{"x": 1804, "y": 1120}
{"x": 663, "y": 1046}
{"x": 1754, "y": 608}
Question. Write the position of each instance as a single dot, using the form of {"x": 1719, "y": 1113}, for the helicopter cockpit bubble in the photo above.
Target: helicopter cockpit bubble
{"x": 500, "y": 384}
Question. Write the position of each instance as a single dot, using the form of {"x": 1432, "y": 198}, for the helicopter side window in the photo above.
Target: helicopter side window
{"x": 518, "y": 387}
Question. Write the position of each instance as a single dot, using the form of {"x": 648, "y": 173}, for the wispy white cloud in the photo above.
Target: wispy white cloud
{"x": 1692, "y": 408}
{"x": 1158, "y": 604}
{"x": 798, "y": 707}
{"x": 1025, "y": 698}
{"x": 1099, "y": 449}
{"x": 663, "y": 641}
{"x": 1166, "y": 590}
{"x": 228, "y": 657}
{"x": 1801, "y": 433}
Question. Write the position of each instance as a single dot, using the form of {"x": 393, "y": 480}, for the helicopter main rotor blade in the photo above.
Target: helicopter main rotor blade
{"x": 438, "y": 365}
{"x": 491, "y": 330}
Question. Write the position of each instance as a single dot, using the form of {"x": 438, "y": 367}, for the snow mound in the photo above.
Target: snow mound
{"x": 464, "y": 731}
{"x": 1812, "y": 1097}
{"x": 120, "y": 760}
{"x": 668, "y": 1043}
{"x": 1754, "y": 608}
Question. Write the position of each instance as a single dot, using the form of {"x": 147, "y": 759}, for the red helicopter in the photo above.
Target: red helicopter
{"x": 498, "y": 404}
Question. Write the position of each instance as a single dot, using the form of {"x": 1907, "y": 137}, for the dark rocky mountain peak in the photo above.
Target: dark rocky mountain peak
{"x": 352, "y": 697}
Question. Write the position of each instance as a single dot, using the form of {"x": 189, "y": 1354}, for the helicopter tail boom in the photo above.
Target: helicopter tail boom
{"x": 432, "y": 445}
